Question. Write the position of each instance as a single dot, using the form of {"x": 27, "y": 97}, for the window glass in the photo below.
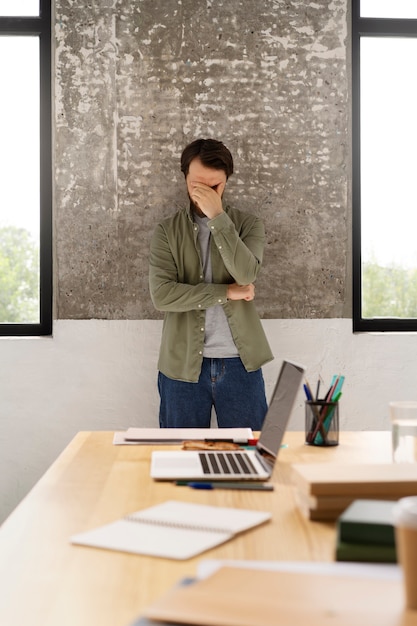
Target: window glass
{"x": 388, "y": 174}
{"x": 405, "y": 9}
{"x": 20, "y": 173}
{"x": 16, "y": 8}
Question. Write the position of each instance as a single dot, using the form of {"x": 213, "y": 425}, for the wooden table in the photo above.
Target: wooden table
{"x": 46, "y": 581}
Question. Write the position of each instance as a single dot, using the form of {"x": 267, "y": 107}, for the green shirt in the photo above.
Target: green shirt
{"x": 177, "y": 287}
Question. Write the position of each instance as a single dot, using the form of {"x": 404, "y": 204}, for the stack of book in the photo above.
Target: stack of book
{"x": 324, "y": 490}
{"x": 365, "y": 532}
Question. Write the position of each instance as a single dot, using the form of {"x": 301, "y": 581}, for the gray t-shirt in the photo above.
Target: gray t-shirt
{"x": 218, "y": 340}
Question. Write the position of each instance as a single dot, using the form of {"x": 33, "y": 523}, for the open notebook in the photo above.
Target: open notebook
{"x": 175, "y": 530}
{"x": 255, "y": 464}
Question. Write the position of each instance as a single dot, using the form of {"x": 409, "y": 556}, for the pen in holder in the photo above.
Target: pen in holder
{"x": 322, "y": 423}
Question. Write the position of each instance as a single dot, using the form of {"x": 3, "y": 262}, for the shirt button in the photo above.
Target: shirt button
{"x": 219, "y": 300}
{"x": 202, "y": 329}
{"x": 212, "y": 227}
{"x": 199, "y": 306}
{"x": 199, "y": 352}
{"x": 195, "y": 227}
{"x": 220, "y": 247}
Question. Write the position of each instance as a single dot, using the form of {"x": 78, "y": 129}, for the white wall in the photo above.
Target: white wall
{"x": 101, "y": 375}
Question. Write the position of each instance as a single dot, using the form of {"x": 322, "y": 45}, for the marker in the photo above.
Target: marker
{"x": 226, "y": 485}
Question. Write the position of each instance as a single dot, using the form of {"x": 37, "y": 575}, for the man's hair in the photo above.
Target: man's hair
{"x": 212, "y": 153}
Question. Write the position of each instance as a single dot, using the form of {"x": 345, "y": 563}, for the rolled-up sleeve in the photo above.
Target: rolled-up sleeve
{"x": 241, "y": 252}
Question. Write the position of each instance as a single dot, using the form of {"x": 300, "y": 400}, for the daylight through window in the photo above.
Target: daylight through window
{"x": 25, "y": 166}
{"x": 384, "y": 139}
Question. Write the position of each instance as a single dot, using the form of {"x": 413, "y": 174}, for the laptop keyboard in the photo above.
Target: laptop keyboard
{"x": 234, "y": 463}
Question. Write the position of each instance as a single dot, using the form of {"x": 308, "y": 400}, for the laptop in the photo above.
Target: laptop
{"x": 237, "y": 465}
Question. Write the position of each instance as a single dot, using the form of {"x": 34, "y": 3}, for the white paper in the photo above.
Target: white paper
{"x": 177, "y": 435}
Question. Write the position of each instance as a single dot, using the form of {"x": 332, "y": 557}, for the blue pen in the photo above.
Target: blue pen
{"x": 309, "y": 395}
{"x": 308, "y": 392}
{"x": 226, "y": 485}
{"x": 200, "y": 485}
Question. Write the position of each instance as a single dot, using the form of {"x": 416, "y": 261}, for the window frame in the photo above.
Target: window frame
{"x": 39, "y": 26}
{"x": 369, "y": 27}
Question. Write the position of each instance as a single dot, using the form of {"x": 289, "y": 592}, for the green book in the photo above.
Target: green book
{"x": 365, "y": 552}
{"x": 367, "y": 522}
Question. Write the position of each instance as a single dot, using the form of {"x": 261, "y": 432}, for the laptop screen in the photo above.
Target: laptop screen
{"x": 279, "y": 411}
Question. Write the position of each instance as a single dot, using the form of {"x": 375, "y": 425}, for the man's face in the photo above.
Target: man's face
{"x": 202, "y": 177}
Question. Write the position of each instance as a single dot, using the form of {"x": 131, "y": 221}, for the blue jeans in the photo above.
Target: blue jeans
{"x": 238, "y": 397}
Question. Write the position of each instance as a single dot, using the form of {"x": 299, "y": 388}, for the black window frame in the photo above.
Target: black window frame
{"x": 39, "y": 26}
{"x": 369, "y": 27}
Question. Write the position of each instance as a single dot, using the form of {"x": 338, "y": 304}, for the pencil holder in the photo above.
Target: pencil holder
{"x": 322, "y": 423}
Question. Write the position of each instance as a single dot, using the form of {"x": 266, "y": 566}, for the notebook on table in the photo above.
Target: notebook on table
{"x": 257, "y": 464}
{"x": 173, "y": 530}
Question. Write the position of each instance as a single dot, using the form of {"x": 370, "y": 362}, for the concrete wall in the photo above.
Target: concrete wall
{"x": 136, "y": 81}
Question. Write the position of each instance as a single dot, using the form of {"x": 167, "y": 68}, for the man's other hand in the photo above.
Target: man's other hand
{"x": 241, "y": 292}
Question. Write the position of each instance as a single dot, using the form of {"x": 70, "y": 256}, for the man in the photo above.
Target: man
{"x": 203, "y": 264}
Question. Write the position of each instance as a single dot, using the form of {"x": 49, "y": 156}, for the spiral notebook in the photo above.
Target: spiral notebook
{"x": 174, "y": 530}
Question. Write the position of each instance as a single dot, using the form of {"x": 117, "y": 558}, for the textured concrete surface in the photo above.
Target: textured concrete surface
{"x": 135, "y": 81}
